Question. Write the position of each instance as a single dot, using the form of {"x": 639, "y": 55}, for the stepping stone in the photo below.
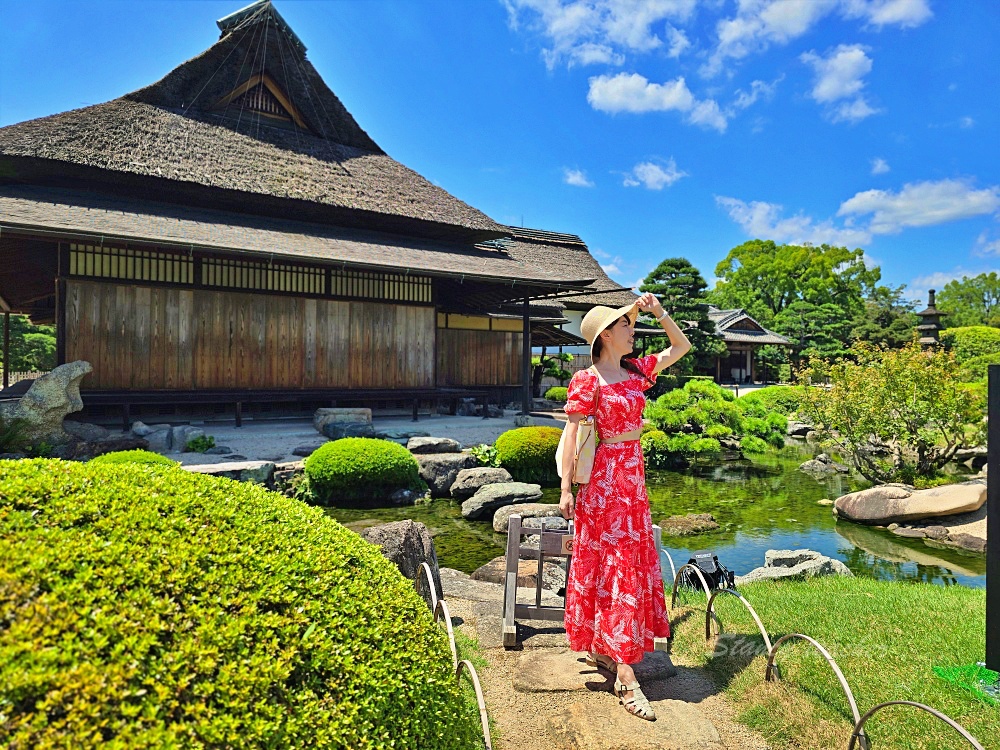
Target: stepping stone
{"x": 679, "y": 725}
{"x": 433, "y": 445}
{"x": 562, "y": 670}
{"x": 260, "y": 472}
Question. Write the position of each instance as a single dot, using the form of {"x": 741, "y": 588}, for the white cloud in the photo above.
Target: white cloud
{"x": 921, "y": 204}
{"x": 919, "y": 287}
{"x": 631, "y": 92}
{"x": 611, "y": 269}
{"x": 839, "y": 76}
{"x": 879, "y": 13}
{"x": 879, "y": 165}
{"x": 758, "y": 90}
{"x": 576, "y": 177}
{"x": 585, "y": 32}
{"x": 764, "y": 220}
{"x": 985, "y": 245}
{"x": 966, "y": 122}
{"x": 654, "y": 176}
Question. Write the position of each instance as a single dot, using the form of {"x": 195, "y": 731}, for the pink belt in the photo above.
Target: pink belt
{"x": 623, "y": 438}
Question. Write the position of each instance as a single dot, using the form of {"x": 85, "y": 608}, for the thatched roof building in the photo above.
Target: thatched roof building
{"x": 231, "y": 229}
{"x": 743, "y": 335}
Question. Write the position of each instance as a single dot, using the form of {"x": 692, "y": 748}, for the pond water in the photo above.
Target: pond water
{"x": 761, "y": 504}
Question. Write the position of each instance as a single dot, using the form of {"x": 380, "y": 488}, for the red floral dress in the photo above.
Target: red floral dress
{"x": 614, "y": 595}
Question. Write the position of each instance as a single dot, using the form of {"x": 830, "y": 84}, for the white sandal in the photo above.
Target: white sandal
{"x": 637, "y": 705}
{"x": 602, "y": 661}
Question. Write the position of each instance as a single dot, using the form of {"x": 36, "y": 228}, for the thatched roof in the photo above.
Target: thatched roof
{"x": 568, "y": 254}
{"x": 201, "y": 126}
{"x": 736, "y": 326}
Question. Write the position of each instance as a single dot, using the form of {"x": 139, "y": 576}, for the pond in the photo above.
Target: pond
{"x": 761, "y": 504}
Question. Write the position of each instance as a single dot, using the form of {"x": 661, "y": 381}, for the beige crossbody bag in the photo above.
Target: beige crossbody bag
{"x": 586, "y": 443}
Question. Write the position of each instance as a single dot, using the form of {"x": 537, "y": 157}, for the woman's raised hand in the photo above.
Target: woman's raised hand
{"x": 648, "y": 302}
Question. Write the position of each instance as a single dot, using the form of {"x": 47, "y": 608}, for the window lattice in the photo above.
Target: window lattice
{"x": 136, "y": 265}
{"x": 381, "y": 286}
{"x": 272, "y": 277}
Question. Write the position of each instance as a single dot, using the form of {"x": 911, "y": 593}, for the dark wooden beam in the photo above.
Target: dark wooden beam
{"x": 6, "y": 349}
{"x": 993, "y": 523}
{"x": 526, "y": 357}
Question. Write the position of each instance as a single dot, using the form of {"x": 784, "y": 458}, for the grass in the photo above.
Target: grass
{"x": 885, "y": 637}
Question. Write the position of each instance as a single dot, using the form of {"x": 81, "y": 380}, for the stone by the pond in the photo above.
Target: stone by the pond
{"x": 547, "y": 523}
{"x": 334, "y": 415}
{"x": 824, "y": 501}
{"x": 797, "y": 429}
{"x": 338, "y": 430}
{"x": 181, "y": 435}
{"x": 141, "y": 429}
{"x": 468, "y": 481}
{"x": 967, "y": 542}
{"x": 692, "y": 523}
{"x": 900, "y": 503}
{"x": 433, "y": 445}
{"x": 47, "y": 402}
{"x": 404, "y": 497}
{"x": 488, "y": 498}
{"x": 260, "y": 472}
{"x": 159, "y": 441}
{"x": 90, "y": 433}
{"x": 495, "y": 571}
{"x": 440, "y": 470}
{"x": 307, "y": 449}
{"x": 400, "y": 436}
{"x": 501, "y": 519}
{"x": 562, "y": 670}
{"x": 823, "y": 465}
{"x": 796, "y": 564}
{"x": 407, "y": 544}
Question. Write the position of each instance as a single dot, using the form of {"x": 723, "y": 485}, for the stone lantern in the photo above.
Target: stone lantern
{"x": 930, "y": 323}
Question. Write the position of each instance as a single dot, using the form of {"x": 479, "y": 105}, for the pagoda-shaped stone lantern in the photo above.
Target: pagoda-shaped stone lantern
{"x": 930, "y": 323}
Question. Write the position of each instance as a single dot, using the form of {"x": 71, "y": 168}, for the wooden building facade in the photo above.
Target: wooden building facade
{"x": 229, "y": 230}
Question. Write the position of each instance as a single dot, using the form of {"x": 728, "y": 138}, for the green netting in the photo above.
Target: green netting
{"x": 981, "y": 682}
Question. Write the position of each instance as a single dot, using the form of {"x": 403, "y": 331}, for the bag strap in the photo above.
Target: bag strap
{"x": 597, "y": 394}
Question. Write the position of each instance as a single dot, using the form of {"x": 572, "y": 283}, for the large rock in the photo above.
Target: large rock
{"x": 469, "y": 481}
{"x": 433, "y": 445}
{"x": 459, "y": 585}
{"x": 796, "y": 564}
{"x": 182, "y": 434}
{"x": 899, "y": 503}
{"x": 440, "y": 470}
{"x": 323, "y": 417}
{"x": 84, "y": 450}
{"x": 495, "y": 571}
{"x": 141, "y": 430}
{"x": 47, "y": 402}
{"x": 797, "y": 429}
{"x": 88, "y": 433}
{"x": 400, "y": 436}
{"x": 159, "y": 441}
{"x": 407, "y": 544}
{"x": 692, "y": 523}
{"x": 822, "y": 465}
{"x": 260, "y": 472}
{"x": 501, "y": 519}
{"x": 338, "y": 430}
{"x": 490, "y": 497}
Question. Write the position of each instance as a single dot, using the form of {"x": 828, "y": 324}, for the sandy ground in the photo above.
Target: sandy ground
{"x": 274, "y": 440}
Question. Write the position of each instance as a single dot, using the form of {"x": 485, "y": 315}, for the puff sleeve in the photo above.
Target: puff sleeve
{"x": 647, "y": 365}
{"x": 581, "y": 393}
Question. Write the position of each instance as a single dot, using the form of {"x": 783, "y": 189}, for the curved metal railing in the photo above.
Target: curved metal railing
{"x": 677, "y": 579}
{"x": 859, "y": 726}
{"x": 709, "y": 613}
{"x": 425, "y": 578}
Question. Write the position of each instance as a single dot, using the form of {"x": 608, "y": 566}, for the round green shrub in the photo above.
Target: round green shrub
{"x": 556, "y": 393}
{"x": 781, "y": 398}
{"x": 971, "y": 341}
{"x": 529, "y": 453}
{"x": 977, "y": 368}
{"x": 133, "y": 457}
{"x": 148, "y": 607}
{"x": 360, "y": 470}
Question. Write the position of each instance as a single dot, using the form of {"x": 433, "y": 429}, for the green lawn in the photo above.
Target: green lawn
{"x": 885, "y": 636}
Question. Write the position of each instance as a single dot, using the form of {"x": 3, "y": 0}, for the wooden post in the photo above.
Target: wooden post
{"x": 6, "y": 349}
{"x": 526, "y": 361}
{"x": 993, "y": 523}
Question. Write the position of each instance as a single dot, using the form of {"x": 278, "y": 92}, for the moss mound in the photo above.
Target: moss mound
{"x": 556, "y": 393}
{"x": 133, "y": 457}
{"x": 360, "y": 470}
{"x": 148, "y": 607}
{"x": 529, "y": 453}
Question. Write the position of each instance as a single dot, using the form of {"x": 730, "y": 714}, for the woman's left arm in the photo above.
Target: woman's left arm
{"x": 679, "y": 344}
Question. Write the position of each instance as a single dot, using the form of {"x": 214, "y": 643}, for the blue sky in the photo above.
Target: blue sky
{"x": 651, "y": 128}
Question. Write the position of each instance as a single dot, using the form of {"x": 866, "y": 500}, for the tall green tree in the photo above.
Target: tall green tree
{"x": 817, "y": 330}
{"x": 887, "y": 319}
{"x": 973, "y": 301}
{"x": 681, "y": 289}
{"x": 32, "y": 348}
{"x": 765, "y": 278}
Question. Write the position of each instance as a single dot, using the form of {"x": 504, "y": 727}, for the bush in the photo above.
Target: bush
{"x": 133, "y": 457}
{"x": 150, "y": 607}
{"x": 977, "y": 369}
{"x": 968, "y": 342}
{"x": 485, "y": 454}
{"x": 529, "y": 453}
{"x": 781, "y": 398}
{"x": 200, "y": 444}
{"x": 13, "y": 435}
{"x": 556, "y": 393}
{"x": 360, "y": 470}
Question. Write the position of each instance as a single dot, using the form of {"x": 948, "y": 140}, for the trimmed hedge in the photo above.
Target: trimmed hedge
{"x": 556, "y": 393}
{"x": 133, "y": 457}
{"x": 971, "y": 341}
{"x": 781, "y": 398}
{"x": 529, "y": 453}
{"x": 148, "y": 607}
{"x": 977, "y": 368}
{"x": 360, "y": 470}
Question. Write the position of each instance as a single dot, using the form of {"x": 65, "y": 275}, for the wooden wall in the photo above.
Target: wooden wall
{"x": 474, "y": 358}
{"x": 142, "y": 337}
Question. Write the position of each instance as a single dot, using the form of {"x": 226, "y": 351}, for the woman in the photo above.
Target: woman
{"x": 614, "y": 594}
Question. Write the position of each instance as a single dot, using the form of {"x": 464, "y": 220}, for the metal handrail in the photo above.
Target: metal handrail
{"x": 677, "y": 578}
{"x": 769, "y": 673}
{"x": 483, "y": 718}
{"x": 428, "y": 576}
{"x": 753, "y": 613}
{"x": 859, "y": 726}
{"x": 441, "y": 610}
